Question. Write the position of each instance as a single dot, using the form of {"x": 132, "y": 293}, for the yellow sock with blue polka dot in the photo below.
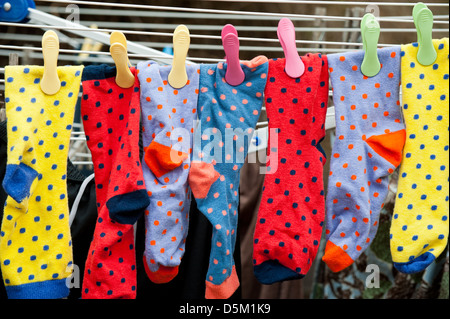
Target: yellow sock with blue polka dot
{"x": 419, "y": 230}
{"x": 35, "y": 240}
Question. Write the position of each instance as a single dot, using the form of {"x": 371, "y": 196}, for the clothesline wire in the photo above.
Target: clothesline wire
{"x": 191, "y": 15}
{"x": 15, "y": 47}
{"x": 346, "y": 3}
{"x": 194, "y": 36}
{"x": 217, "y": 11}
{"x": 140, "y": 25}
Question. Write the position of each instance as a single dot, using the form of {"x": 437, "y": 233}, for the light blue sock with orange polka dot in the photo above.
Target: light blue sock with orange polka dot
{"x": 419, "y": 230}
{"x": 228, "y": 115}
{"x": 370, "y": 135}
{"x": 168, "y": 117}
{"x": 35, "y": 241}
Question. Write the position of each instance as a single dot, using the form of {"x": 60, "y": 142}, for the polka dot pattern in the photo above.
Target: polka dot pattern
{"x": 35, "y": 240}
{"x": 228, "y": 115}
{"x": 111, "y": 121}
{"x": 168, "y": 117}
{"x": 370, "y": 135}
{"x": 292, "y": 209}
{"x": 420, "y": 221}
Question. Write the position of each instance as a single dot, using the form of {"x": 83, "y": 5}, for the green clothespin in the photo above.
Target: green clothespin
{"x": 423, "y": 20}
{"x": 370, "y": 33}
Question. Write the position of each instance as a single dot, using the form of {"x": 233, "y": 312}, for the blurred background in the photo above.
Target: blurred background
{"x": 317, "y": 22}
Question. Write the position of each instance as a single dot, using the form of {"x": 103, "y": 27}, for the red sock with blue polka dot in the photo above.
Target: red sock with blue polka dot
{"x": 111, "y": 118}
{"x": 292, "y": 208}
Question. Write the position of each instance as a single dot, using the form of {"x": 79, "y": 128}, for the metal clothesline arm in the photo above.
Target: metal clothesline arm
{"x": 216, "y": 11}
{"x": 78, "y": 29}
{"x": 345, "y": 3}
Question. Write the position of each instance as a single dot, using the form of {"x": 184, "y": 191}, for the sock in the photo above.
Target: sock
{"x": 292, "y": 208}
{"x": 35, "y": 242}
{"x": 228, "y": 114}
{"x": 168, "y": 117}
{"x": 370, "y": 135}
{"x": 419, "y": 229}
{"x": 111, "y": 121}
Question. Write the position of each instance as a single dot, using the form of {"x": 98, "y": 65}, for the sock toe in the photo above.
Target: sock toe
{"x": 336, "y": 258}
{"x": 416, "y": 265}
{"x": 224, "y": 290}
{"x": 163, "y": 275}
{"x": 272, "y": 271}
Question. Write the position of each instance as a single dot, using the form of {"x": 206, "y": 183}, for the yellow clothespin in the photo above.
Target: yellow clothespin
{"x": 181, "y": 39}
{"x": 118, "y": 49}
{"x": 50, "y": 83}
{"x": 89, "y": 45}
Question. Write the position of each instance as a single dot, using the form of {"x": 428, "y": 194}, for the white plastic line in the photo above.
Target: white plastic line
{"x": 15, "y": 47}
{"x": 73, "y": 138}
{"x": 38, "y": 38}
{"x": 262, "y": 123}
{"x": 345, "y": 3}
{"x": 191, "y": 16}
{"x": 153, "y": 26}
{"x": 71, "y": 58}
{"x": 88, "y": 155}
{"x": 191, "y": 36}
{"x": 82, "y": 163}
{"x": 215, "y": 11}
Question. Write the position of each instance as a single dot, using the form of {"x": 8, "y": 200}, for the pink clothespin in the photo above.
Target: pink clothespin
{"x": 286, "y": 34}
{"x": 230, "y": 41}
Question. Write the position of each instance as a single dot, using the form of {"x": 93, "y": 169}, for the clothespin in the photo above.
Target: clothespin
{"x": 230, "y": 41}
{"x": 15, "y": 10}
{"x": 89, "y": 45}
{"x": 118, "y": 49}
{"x": 423, "y": 20}
{"x": 50, "y": 83}
{"x": 286, "y": 34}
{"x": 181, "y": 39}
{"x": 370, "y": 33}
{"x": 119, "y": 37}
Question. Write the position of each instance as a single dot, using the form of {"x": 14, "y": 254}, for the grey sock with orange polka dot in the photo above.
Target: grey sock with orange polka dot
{"x": 370, "y": 135}
{"x": 168, "y": 117}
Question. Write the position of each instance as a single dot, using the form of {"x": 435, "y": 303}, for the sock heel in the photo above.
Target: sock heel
{"x": 162, "y": 159}
{"x": 201, "y": 177}
{"x": 18, "y": 181}
{"x": 389, "y": 146}
{"x": 128, "y": 208}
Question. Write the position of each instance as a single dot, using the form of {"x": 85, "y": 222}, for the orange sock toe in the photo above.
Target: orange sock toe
{"x": 163, "y": 275}
{"x": 225, "y": 290}
{"x": 336, "y": 258}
